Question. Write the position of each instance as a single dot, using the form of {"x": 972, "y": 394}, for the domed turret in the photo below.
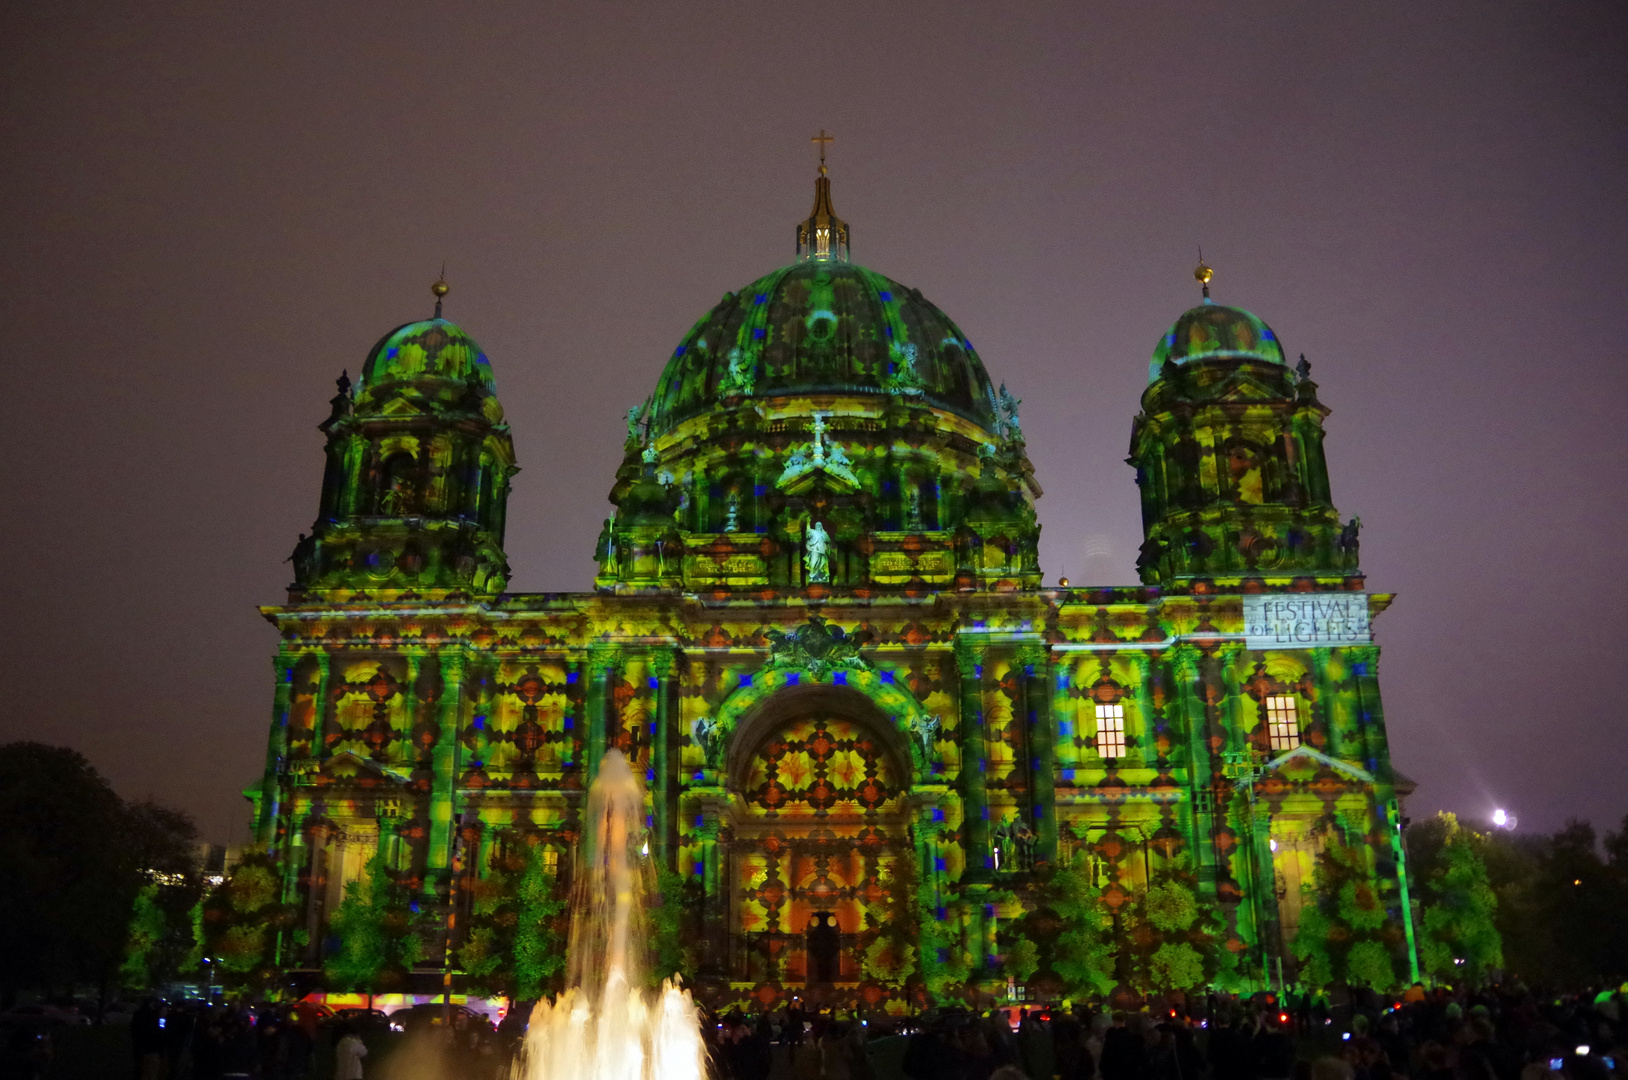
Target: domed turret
{"x": 1215, "y": 332}
{"x": 431, "y": 350}
{"x": 419, "y": 461}
{"x": 1228, "y": 451}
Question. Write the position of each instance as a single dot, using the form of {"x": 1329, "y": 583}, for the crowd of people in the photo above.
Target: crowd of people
{"x": 1498, "y": 1034}
{"x": 1495, "y": 1035}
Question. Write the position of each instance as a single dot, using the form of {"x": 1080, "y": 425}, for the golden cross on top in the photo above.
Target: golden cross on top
{"x": 822, "y": 138}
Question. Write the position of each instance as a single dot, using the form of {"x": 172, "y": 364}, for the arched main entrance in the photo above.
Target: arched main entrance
{"x": 821, "y": 843}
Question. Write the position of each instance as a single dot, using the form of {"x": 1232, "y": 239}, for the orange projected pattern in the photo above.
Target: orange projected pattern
{"x": 821, "y": 767}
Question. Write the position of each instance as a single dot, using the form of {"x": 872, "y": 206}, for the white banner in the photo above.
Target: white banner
{"x": 1304, "y": 620}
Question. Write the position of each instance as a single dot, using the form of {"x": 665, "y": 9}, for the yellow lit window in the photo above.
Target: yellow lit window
{"x": 1111, "y": 730}
{"x": 1282, "y": 722}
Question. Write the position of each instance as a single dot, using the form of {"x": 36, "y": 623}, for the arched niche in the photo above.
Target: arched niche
{"x": 793, "y": 702}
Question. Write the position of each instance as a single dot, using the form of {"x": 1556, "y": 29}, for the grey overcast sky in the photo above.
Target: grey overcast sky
{"x": 207, "y": 210}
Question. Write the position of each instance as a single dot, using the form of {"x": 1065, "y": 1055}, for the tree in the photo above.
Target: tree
{"x": 148, "y": 928}
{"x": 538, "y": 953}
{"x": 241, "y": 919}
{"x": 74, "y": 856}
{"x": 376, "y": 943}
{"x": 1083, "y": 957}
{"x": 889, "y": 957}
{"x": 943, "y": 964}
{"x": 673, "y": 951}
{"x": 1344, "y": 933}
{"x": 1460, "y": 939}
{"x": 1176, "y": 935}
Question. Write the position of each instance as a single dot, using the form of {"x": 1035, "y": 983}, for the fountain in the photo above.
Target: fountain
{"x": 606, "y": 1025}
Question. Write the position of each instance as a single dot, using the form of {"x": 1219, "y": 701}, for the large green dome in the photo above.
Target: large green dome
{"x": 1214, "y": 331}
{"x": 823, "y": 327}
{"x": 431, "y": 349}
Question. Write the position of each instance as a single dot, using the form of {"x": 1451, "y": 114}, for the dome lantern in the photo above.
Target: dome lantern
{"x": 822, "y": 236}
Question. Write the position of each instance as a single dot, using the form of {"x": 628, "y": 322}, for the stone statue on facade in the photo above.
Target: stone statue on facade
{"x": 912, "y": 508}
{"x": 1348, "y": 535}
{"x": 1008, "y": 415}
{"x": 605, "y": 546}
{"x": 904, "y": 379}
{"x": 925, "y": 728}
{"x": 732, "y": 512}
{"x": 817, "y": 648}
{"x": 704, "y": 734}
{"x": 817, "y": 557}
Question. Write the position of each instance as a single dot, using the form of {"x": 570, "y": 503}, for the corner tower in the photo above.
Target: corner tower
{"x": 417, "y": 480}
{"x": 1228, "y": 451}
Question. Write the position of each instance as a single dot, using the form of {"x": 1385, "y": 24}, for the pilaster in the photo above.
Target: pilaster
{"x": 969, "y": 658}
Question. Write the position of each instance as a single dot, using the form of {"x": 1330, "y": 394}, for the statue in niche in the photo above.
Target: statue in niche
{"x": 912, "y": 509}
{"x": 925, "y": 729}
{"x": 817, "y": 553}
{"x": 732, "y": 512}
{"x": 605, "y": 547}
{"x": 704, "y": 734}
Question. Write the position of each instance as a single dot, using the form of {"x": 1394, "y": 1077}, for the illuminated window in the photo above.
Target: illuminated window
{"x": 1282, "y": 722}
{"x": 1111, "y": 730}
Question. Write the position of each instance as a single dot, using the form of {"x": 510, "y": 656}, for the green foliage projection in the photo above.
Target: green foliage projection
{"x": 673, "y": 949}
{"x": 376, "y": 943}
{"x": 241, "y": 918}
{"x": 943, "y": 963}
{"x": 148, "y": 927}
{"x": 1344, "y": 935}
{"x": 1175, "y": 937}
{"x": 1084, "y": 953}
{"x": 539, "y": 955}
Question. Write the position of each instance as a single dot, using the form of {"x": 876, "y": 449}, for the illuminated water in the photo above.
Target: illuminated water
{"x": 606, "y": 1026}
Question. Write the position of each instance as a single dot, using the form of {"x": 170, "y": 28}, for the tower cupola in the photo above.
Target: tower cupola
{"x": 1228, "y": 451}
{"x": 417, "y": 481}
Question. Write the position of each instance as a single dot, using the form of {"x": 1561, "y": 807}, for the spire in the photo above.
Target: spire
{"x": 822, "y": 237}
{"x": 1203, "y": 275}
{"x": 440, "y": 289}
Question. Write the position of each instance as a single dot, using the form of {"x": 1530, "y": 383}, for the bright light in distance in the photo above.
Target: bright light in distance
{"x": 1273, "y": 844}
{"x": 1499, "y": 817}
{"x": 1582, "y": 1051}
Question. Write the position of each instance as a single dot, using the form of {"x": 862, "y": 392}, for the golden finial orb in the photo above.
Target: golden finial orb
{"x": 1203, "y": 274}
{"x": 1063, "y": 581}
{"x": 440, "y": 288}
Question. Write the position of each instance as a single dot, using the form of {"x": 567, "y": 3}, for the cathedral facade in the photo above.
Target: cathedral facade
{"x": 819, "y": 630}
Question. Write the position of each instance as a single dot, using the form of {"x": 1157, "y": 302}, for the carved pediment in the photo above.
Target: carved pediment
{"x": 347, "y": 767}
{"x": 1306, "y": 761}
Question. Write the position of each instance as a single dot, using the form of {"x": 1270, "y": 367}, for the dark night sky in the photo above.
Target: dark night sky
{"x": 210, "y": 209}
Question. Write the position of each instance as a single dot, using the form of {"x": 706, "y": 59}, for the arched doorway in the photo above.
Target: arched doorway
{"x": 820, "y": 841}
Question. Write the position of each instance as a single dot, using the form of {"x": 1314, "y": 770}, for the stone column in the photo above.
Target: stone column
{"x": 1187, "y": 709}
{"x": 969, "y": 659}
{"x": 1038, "y": 679}
{"x": 602, "y": 663}
{"x": 271, "y": 783}
{"x": 444, "y": 783}
{"x": 662, "y": 663}
{"x": 1325, "y": 698}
